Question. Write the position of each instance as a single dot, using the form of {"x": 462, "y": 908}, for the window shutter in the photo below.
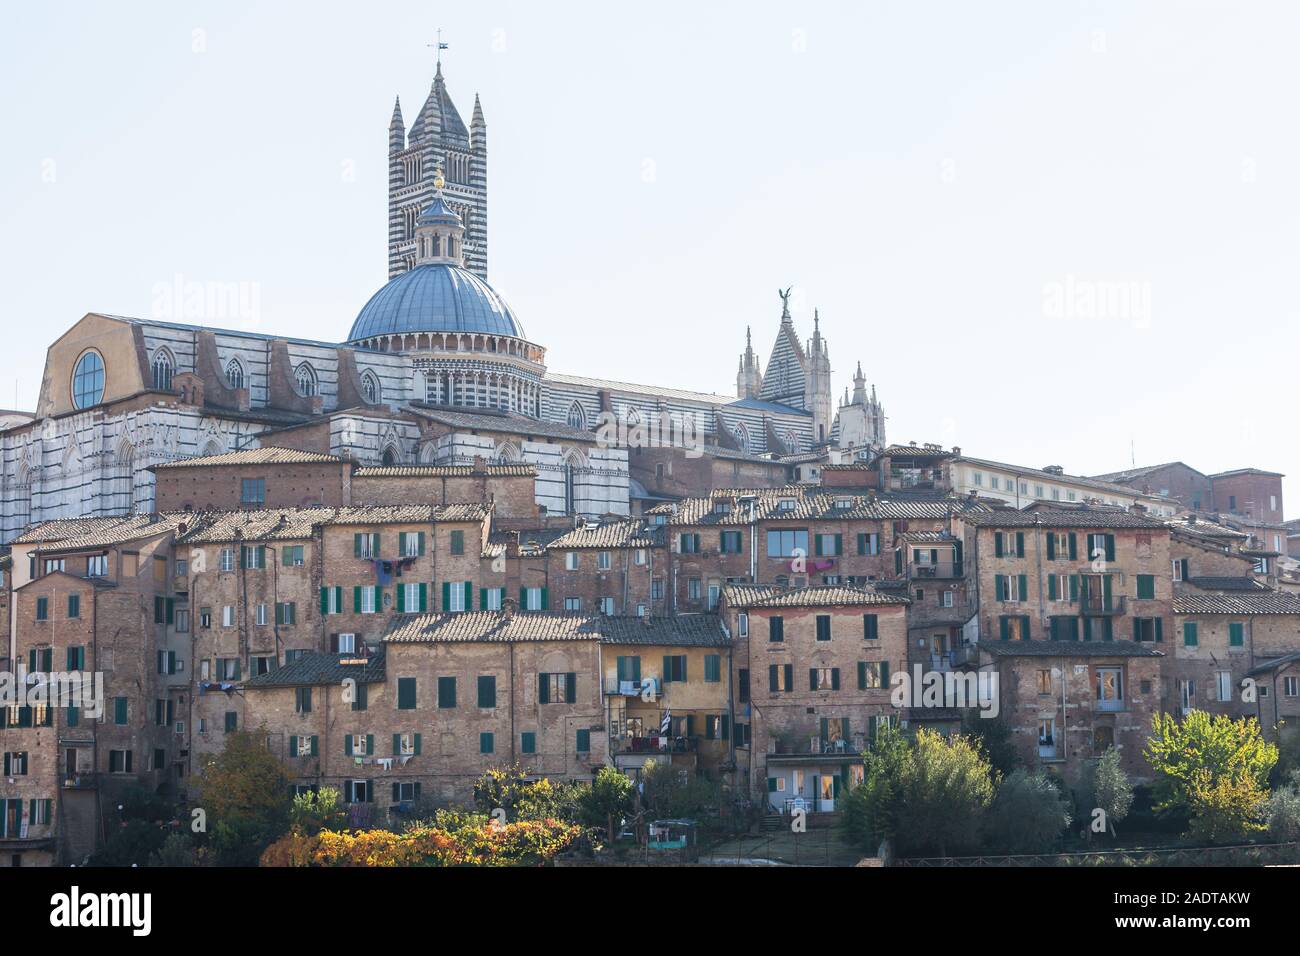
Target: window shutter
{"x": 523, "y": 599}
{"x": 401, "y": 598}
{"x": 293, "y": 745}
{"x": 1074, "y": 588}
{"x": 771, "y": 677}
{"x": 1051, "y": 585}
{"x": 1051, "y": 546}
{"x": 356, "y": 600}
{"x": 997, "y": 544}
{"x": 356, "y": 545}
{"x": 370, "y": 744}
{"x": 835, "y": 678}
{"x": 571, "y": 688}
{"x": 446, "y": 596}
{"x": 1110, "y": 547}
{"x": 324, "y": 600}
{"x": 999, "y": 590}
{"x": 1159, "y": 628}
{"x": 397, "y": 747}
{"x": 347, "y": 744}
{"x": 419, "y": 543}
{"x": 812, "y": 678}
{"x": 424, "y": 597}
{"x": 1024, "y": 588}
{"x": 1074, "y": 547}
{"x": 862, "y": 675}
{"x": 884, "y": 674}
{"x": 817, "y": 545}
{"x": 469, "y": 596}
{"x": 543, "y": 689}
{"x": 1020, "y": 544}
{"x": 482, "y": 598}
{"x": 545, "y": 602}
{"x": 1024, "y": 627}
{"x": 417, "y": 747}
{"x": 1004, "y": 628}
{"x": 315, "y": 749}
{"x": 789, "y": 676}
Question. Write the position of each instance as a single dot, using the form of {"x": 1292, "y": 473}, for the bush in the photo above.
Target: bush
{"x": 176, "y": 850}
{"x": 1284, "y": 813}
{"x": 323, "y": 809}
{"x": 1106, "y": 787}
{"x": 1028, "y": 814}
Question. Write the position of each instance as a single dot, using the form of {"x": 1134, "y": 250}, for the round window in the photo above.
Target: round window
{"x": 88, "y": 380}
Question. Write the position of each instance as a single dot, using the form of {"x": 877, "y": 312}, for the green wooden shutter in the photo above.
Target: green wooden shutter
{"x": 862, "y": 675}
{"x": 571, "y": 688}
{"x": 789, "y": 676}
{"x": 1004, "y": 628}
{"x": 835, "y": 678}
{"x": 347, "y": 744}
{"x": 1074, "y": 588}
{"x": 1020, "y": 544}
{"x": 356, "y": 599}
{"x": 1051, "y": 586}
{"x": 884, "y": 674}
{"x": 401, "y": 598}
{"x": 1074, "y": 547}
{"x": 1024, "y": 588}
{"x": 293, "y": 745}
{"x": 424, "y": 597}
{"x": 543, "y": 689}
{"x": 397, "y": 746}
{"x": 1051, "y": 546}
{"x": 1159, "y": 628}
{"x": 469, "y": 596}
{"x": 997, "y": 544}
{"x": 1024, "y": 627}
{"x": 324, "y": 600}
{"x": 356, "y": 545}
{"x": 771, "y": 677}
{"x": 446, "y": 595}
{"x": 812, "y": 678}
{"x": 1110, "y": 547}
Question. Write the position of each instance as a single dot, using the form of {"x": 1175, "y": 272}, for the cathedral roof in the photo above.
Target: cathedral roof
{"x": 435, "y": 297}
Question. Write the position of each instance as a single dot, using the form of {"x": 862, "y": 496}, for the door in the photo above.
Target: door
{"x": 826, "y": 792}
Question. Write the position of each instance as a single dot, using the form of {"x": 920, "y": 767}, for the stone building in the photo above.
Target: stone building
{"x": 812, "y": 670}
{"x": 87, "y": 599}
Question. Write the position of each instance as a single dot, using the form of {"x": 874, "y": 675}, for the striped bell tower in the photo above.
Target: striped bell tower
{"x": 438, "y": 140}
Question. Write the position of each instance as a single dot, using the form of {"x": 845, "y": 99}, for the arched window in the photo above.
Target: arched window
{"x": 235, "y": 373}
{"x": 577, "y": 417}
{"x": 507, "y": 453}
{"x": 164, "y": 366}
{"x": 633, "y": 417}
{"x": 370, "y": 387}
{"x": 306, "y": 377}
{"x": 742, "y": 437}
{"x": 88, "y": 380}
{"x": 390, "y": 457}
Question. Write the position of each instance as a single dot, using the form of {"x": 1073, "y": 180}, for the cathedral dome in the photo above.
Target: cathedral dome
{"x": 435, "y": 297}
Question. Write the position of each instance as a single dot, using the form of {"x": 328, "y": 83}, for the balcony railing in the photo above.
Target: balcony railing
{"x": 939, "y": 570}
{"x": 1098, "y": 604}
{"x": 656, "y": 745}
{"x": 633, "y": 688}
{"x": 963, "y": 655}
{"x": 1110, "y": 706}
{"x": 80, "y": 781}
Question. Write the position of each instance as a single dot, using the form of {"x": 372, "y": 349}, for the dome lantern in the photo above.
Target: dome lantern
{"x": 439, "y": 231}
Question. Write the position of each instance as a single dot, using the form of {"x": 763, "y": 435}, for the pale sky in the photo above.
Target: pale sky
{"x": 951, "y": 184}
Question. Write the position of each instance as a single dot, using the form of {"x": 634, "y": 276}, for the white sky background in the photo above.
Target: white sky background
{"x": 924, "y": 173}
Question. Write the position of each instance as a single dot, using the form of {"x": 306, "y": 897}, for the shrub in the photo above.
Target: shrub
{"x": 1028, "y": 814}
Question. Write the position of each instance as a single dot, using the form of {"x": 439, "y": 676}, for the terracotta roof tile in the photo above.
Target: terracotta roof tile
{"x": 491, "y": 627}
{"x": 270, "y": 455}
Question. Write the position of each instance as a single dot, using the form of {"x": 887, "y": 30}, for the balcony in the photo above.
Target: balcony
{"x": 81, "y": 781}
{"x": 1095, "y": 604}
{"x": 633, "y": 688}
{"x": 656, "y": 745}
{"x": 1110, "y": 706}
{"x": 941, "y": 570}
{"x": 963, "y": 655}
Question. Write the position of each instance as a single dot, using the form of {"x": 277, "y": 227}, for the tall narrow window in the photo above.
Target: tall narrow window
{"x": 164, "y": 366}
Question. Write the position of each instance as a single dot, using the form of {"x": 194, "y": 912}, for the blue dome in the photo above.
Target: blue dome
{"x": 435, "y": 297}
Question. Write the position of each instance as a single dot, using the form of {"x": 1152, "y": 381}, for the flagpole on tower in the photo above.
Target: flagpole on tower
{"x": 439, "y": 47}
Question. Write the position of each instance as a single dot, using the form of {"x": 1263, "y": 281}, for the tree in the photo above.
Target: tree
{"x": 870, "y": 810}
{"x": 1215, "y": 767}
{"x": 1284, "y": 811}
{"x": 610, "y": 798}
{"x": 946, "y": 791}
{"x": 994, "y": 736}
{"x": 1028, "y": 813}
{"x": 176, "y": 851}
{"x": 930, "y": 796}
{"x": 245, "y": 795}
{"x": 318, "y": 810}
{"x": 1106, "y": 787}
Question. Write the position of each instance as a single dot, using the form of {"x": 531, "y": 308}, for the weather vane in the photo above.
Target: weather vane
{"x": 439, "y": 45}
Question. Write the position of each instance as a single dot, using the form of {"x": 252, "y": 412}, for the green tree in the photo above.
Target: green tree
{"x": 314, "y": 811}
{"x": 1215, "y": 767}
{"x": 946, "y": 791}
{"x": 870, "y": 810}
{"x": 994, "y": 736}
{"x": 610, "y": 799}
{"x": 245, "y": 795}
{"x": 1108, "y": 788}
{"x": 1028, "y": 813}
{"x": 176, "y": 851}
{"x": 1283, "y": 813}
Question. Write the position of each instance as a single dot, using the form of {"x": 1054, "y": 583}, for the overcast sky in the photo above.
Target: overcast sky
{"x": 1052, "y": 232}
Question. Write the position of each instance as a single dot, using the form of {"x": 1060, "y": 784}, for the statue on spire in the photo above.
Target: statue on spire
{"x": 785, "y": 301}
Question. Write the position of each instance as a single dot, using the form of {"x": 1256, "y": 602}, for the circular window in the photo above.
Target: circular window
{"x": 88, "y": 380}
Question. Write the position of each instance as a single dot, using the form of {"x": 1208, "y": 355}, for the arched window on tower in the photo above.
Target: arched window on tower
{"x": 235, "y": 373}
{"x": 370, "y": 387}
{"x": 164, "y": 367}
{"x": 577, "y": 417}
{"x": 742, "y": 437}
{"x": 305, "y": 375}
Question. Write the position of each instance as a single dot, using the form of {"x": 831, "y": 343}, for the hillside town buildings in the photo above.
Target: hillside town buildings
{"x": 414, "y": 554}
